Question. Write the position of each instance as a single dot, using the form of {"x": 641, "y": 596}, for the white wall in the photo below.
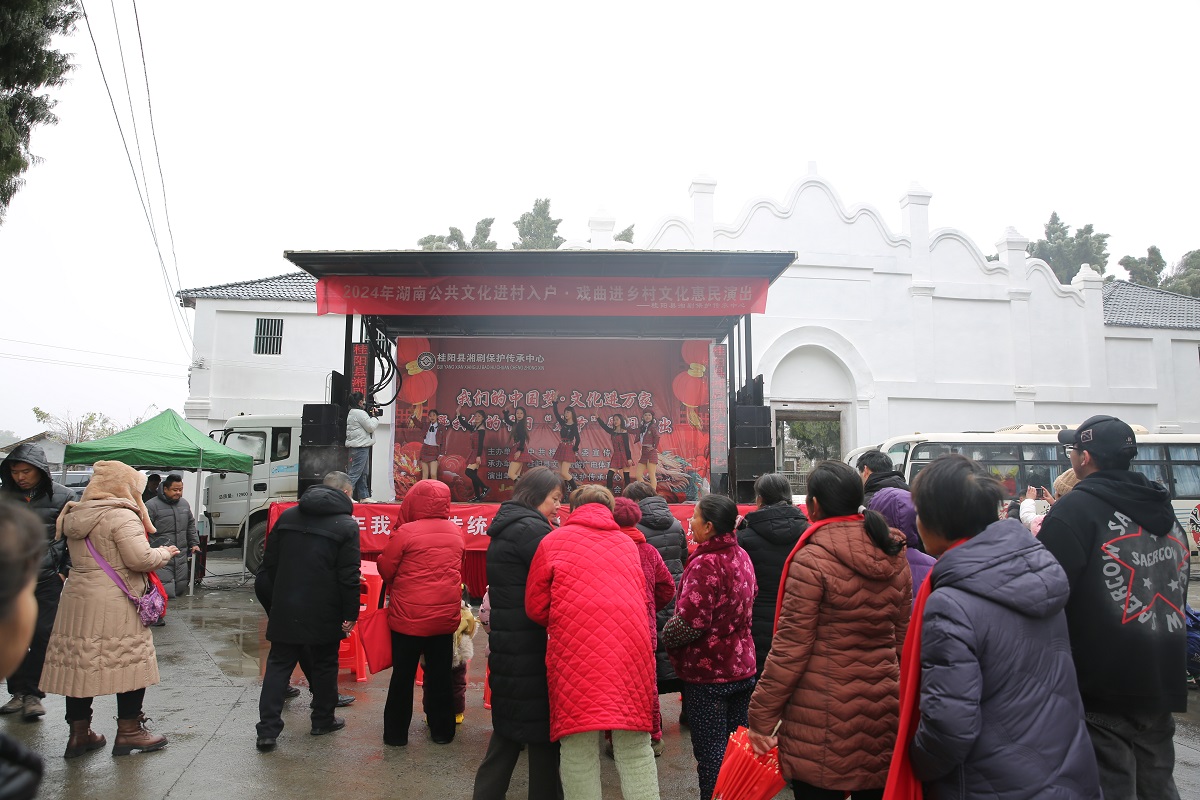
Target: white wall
{"x": 227, "y": 378}
{"x": 919, "y": 331}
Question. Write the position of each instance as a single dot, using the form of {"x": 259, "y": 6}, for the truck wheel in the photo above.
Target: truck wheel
{"x": 257, "y": 544}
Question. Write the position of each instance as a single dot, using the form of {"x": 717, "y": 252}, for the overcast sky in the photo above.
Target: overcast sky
{"x": 298, "y": 125}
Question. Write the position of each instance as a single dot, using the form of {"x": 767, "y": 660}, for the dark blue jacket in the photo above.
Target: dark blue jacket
{"x": 1000, "y": 710}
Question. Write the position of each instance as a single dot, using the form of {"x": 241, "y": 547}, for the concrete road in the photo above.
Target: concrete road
{"x": 211, "y": 658}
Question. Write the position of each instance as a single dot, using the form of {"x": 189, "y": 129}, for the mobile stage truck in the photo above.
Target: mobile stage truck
{"x": 658, "y": 341}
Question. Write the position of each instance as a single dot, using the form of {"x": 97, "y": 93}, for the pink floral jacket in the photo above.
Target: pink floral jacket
{"x": 716, "y": 597}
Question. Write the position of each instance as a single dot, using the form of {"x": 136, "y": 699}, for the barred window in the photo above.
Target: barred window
{"x": 268, "y": 337}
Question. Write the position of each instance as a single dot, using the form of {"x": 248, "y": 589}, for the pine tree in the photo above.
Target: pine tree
{"x": 28, "y": 66}
{"x": 1066, "y": 253}
{"x": 1145, "y": 271}
{"x": 537, "y": 230}
{"x": 456, "y": 241}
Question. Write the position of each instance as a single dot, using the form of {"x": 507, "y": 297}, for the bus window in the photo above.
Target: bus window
{"x": 1179, "y": 452}
{"x": 1155, "y": 472}
{"x": 1187, "y": 481}
{"x": 898, "y": 453}
{"x": 1040, "y": 452}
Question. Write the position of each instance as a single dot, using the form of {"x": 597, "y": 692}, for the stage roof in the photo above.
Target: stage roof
{"x": 680, "y": 264}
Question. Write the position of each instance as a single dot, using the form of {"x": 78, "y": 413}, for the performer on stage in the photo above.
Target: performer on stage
{"x": 518, "y": 453}
{"x": 432, "y": 445}
{"x": 648, "y": 439}
{"x": 475, "y": 425}
{"x": 621, "y": 456}
{"x": 568, "y": 448}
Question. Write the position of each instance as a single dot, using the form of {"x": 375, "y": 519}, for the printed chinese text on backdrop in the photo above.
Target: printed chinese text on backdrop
{"x": 601, "y": 378}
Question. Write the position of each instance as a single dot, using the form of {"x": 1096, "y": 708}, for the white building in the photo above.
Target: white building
{"x": 885, "y": 332}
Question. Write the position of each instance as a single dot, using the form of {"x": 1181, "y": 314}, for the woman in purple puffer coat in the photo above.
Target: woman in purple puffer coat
{"x": 896, "y": 506}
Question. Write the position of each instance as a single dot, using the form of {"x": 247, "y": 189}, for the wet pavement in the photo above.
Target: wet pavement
{"x": 211, "y": 656}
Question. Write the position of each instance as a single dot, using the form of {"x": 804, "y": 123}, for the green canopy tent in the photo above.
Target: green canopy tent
{"x": 164, "y": 442}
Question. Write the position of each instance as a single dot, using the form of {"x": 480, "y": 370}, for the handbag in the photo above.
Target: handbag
{"x": 150, "y": 607}
{"x": 376, "y": 639}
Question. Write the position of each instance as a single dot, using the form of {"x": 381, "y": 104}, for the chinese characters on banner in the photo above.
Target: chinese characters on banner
{"x": 719, "y": 408}
{"x": 609, "y": 382}
{"x": 542, "y": 296}
{"x": 358, "y": 375}
{"x": 376, "y": 520}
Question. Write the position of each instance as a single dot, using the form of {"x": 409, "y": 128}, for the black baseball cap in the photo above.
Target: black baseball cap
{"x": 1101, "y": 435}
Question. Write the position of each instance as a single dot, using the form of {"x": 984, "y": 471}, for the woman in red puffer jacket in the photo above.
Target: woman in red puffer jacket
{"x": 586, "y": 586}
{"x": 422, "y": 567}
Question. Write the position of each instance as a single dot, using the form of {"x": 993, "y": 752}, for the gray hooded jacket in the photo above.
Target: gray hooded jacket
{"x": 173, "y": 524}
{"x": 46, "y": 500}
{"x": 1001, "y": 715}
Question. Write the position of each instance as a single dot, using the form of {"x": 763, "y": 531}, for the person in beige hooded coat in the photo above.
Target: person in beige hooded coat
{"x": 99, "y": 645}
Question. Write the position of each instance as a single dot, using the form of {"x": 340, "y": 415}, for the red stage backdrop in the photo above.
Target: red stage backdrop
{"x": 599, "y": 377}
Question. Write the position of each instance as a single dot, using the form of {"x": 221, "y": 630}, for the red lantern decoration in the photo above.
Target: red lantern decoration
{"x": 690, "y": 387}
{"x": 418, "y": 382}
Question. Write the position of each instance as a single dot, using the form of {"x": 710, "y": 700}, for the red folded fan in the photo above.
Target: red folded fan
{"x": 745, "y": 775}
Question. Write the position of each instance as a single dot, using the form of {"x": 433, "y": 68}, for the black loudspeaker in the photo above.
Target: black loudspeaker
{"x": 322, "y": 424}
{"x": 746, "y": 465}
{"x": 317, "y": 462}
{"x": 304, "y": 484}
{"x": 321, "y": 414}
{"x": 756, "y": 416}
{"x": 322, "y": 435}
{"x": 752, "y": 436}
{"x": 751, "y": 463}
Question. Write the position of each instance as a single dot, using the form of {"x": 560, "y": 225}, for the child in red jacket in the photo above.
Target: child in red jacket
{"x": 660, "y": 588}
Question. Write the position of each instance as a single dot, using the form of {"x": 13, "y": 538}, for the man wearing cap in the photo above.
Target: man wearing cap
{"x": 1126, "y": 557}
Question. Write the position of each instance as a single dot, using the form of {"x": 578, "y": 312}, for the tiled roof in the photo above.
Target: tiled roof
{"x": 1129, "y": 305}
{"x": 297, "y": 286}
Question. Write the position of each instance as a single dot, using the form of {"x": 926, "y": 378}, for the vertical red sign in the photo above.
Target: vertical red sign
{"x": 358, "y": 375}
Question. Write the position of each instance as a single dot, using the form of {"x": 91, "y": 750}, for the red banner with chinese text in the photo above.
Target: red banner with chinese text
{"x": 542, "y": 296}
{"x": 376, "y": 520}
{"x": 606, "y": 381}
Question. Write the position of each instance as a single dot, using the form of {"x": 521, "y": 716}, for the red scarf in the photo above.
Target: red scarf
{"x": 902, "y": 784}
{"x": 804, "y": 537}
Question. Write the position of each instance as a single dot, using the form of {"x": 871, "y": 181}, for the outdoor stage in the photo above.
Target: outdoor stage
{"x": 610, "y": 334}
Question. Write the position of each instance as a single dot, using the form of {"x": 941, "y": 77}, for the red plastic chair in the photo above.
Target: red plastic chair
{"x": 350, "y": 652}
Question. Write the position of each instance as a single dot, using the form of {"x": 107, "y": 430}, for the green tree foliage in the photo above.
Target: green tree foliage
{"x": 1185, "y": 276}
{"x": 625, "y": 235}
{"x": 1145, "y": 271}
{"x": 537, "y": 230}
{"x": 456, "y": 241}
{"x": 818, "y": 439}
{"x": 8, "y": 437}
{"x": 28, "y": 66}
{"x": 1066, "y": 253}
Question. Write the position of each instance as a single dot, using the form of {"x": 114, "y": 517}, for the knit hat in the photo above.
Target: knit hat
{"x": 1065, "y": 483}
{"x": 626, "y": 512}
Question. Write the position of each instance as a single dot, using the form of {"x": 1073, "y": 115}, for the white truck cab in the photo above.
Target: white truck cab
{"x": 273, "y": 441}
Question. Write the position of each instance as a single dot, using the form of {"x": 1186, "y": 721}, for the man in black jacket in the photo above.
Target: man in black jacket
{"x": 1125, "y": 555}
{"x": 25, "y": 478}
{"x": 309, "y": 587}
{"x": 878, "y": 472}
